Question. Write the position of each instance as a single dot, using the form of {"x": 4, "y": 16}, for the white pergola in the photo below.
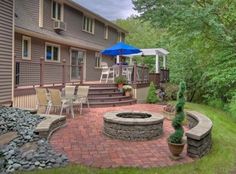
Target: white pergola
{"x": 157, "y": 52}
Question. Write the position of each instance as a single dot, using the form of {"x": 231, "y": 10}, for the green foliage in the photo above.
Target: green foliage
{"x": 177, "y": 136}
{"x": 201, "y": 38}
{"x": 217, "y": 103}
{"x": 232, "y": 106}
{"x": 170, "y": 91}
{"x": 120, "y": 80}
{"x": 152, "y": 96}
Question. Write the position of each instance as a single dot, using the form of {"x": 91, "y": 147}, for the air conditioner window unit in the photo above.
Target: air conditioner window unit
{"x": 59, "y": 26}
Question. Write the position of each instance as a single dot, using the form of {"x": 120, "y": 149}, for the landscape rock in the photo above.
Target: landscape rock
{"x": 20, "y": 147}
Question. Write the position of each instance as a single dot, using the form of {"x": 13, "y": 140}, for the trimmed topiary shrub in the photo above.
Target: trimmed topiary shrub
{"x": 177, "y": 136}
{"x": 152, "y": 96}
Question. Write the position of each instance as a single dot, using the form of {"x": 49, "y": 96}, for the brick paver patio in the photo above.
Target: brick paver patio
{"x": 84, "y": 143}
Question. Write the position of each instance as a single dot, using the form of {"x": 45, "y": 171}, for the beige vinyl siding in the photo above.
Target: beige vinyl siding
{"x": 6, "y": 36}
{"x": 74, "y": 26}
{"x": 30, "y": 69}
{"x": 92, "y": 73}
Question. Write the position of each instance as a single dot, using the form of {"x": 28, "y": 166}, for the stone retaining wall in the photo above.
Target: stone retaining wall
{"x": 49, "y": 125}
{"x": 199, "y": 136}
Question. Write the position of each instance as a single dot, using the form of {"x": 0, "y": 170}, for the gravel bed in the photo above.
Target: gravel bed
{"x": 28, "y": 151}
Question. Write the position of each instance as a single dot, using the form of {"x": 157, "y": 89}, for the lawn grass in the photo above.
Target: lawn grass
{"x": 221, "y": 159}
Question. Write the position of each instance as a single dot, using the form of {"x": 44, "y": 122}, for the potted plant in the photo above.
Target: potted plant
{"x": 175, "y": 141}
{"x": 128, "y": 90}
{"x": 120, "y": 81}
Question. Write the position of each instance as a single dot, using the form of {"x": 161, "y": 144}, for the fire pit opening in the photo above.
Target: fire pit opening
{"x": 133, "y": 125}
{"x": 133, "y": 115}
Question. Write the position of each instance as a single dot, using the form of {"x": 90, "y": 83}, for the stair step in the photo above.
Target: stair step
{"x": 106, "y": 99}
{"x": 112, "y": 104}
{"x": 101, "y": 93}
{"x": 103, "y": 89}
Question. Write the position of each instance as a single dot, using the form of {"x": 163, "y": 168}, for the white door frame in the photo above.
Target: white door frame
{"x": 84, "y": 61}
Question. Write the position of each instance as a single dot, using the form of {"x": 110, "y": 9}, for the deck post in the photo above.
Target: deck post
{"x": 64, "y": 72}
{"x": 41, "y": 71}
{"x": 81, "y": 69}
{"x": 143, "y": 67}
{"x": 135, "y": 72}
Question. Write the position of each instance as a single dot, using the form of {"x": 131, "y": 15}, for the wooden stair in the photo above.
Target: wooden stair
{"x": 107, "y": 96}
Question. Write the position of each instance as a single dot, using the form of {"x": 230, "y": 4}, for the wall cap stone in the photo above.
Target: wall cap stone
{"x": 203, "y": 127}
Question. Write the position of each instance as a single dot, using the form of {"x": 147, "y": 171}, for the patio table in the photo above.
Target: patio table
{"x": 71, "y": 101}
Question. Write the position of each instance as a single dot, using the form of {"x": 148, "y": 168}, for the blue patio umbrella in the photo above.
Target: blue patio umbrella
{"x": 120, "y": 49}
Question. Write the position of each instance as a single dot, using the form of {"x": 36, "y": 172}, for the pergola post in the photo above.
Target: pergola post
{"x": 157, "y": 63}
{"x": 164, "y": 62}
{"x": 117, "y": 59}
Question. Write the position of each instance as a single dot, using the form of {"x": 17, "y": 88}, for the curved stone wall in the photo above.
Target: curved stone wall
{"x": 199, "y": 136}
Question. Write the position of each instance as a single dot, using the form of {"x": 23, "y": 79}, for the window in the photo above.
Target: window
{"x": 52, "y": 52}
{"x": 26, "y": 48}
{"x": 56, "y": 11}
{"x": 98, "y": 60}
{"x": 106, "y": 32}
{"x": 88, "y": 25}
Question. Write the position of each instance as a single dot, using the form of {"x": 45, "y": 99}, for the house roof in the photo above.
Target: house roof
{"x": 96, "y": 16}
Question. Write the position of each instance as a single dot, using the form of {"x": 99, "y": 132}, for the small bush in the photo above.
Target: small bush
{"x": 120, "y": 80}
{"x": 152, "y": 96}
{"x": 170, "y": 91}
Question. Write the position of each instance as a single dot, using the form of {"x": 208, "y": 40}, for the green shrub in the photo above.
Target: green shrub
{"x": 120, "y": 80}
{"x": 152, "y": 96}
{"x": 177, "y": 136}
{"x": 216, "y": 103}
{"x": 170, "y": 91}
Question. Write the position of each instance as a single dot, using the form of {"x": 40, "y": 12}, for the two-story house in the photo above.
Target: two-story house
{"x": 60, "y": 32}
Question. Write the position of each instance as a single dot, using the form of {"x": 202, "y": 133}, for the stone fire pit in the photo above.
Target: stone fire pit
{"x": 129, "y": 125}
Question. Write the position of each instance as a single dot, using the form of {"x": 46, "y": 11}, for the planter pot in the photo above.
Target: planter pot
{"x": 128, "y": 93}
{"x": 176, "y": 149}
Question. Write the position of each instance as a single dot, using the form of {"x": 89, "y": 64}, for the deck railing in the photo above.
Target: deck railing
{"x": 43, "y": 73}
{"x": 161, "y": 77}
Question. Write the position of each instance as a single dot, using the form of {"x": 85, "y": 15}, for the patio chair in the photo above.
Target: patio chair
{"x": 127, "y": 72}
{"x": 82, "y": 97}
{"x": 69, "y": 91}
{"x": 107, "y": 72}
{"x": 42, "y": 99}
{"x": 57, "y": 101}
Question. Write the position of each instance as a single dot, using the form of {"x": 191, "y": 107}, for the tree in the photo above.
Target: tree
{"x": 201, "y": 38}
